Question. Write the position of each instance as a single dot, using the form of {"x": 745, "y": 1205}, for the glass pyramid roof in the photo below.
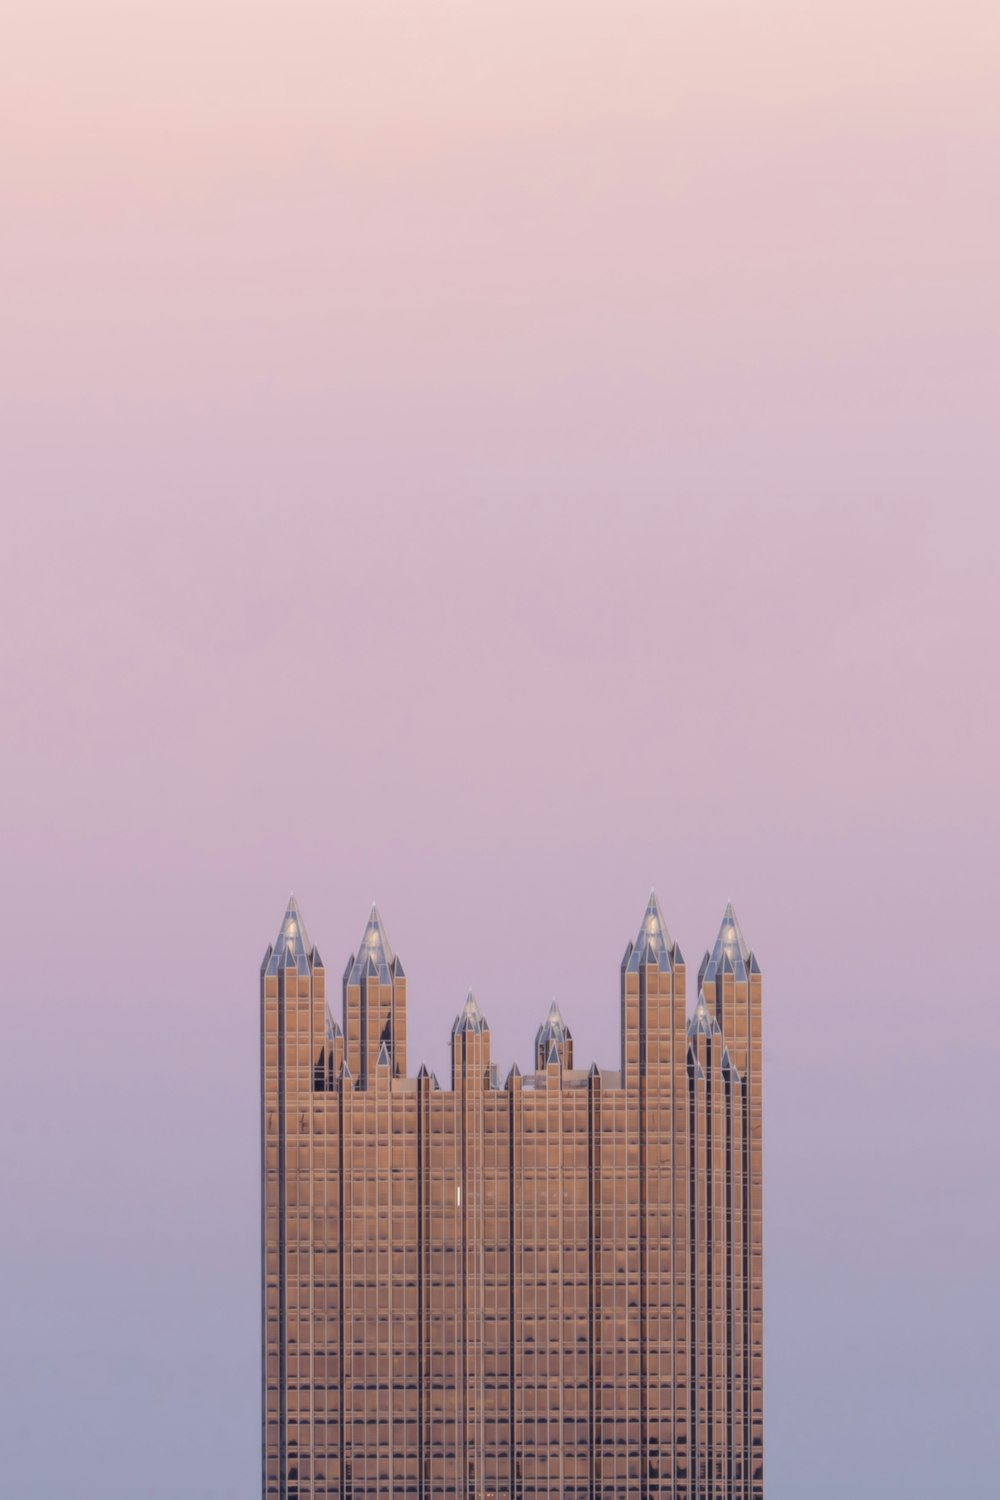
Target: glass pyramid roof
{"x": 553, "y": 1028}
{"x": 654, "y": 945}
{"x": 374, "y": 957}
{"x": 472, "y": 1018}
{"x": 702, "y": 1023}
{"x": 291, "y": 947}
{"x": 729, "y": 945}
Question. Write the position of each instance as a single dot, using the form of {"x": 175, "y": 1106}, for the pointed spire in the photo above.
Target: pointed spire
{"x": 729, "y": 1068}
{"x": 702, "y": 1023}
{"x": 553, "y": 1057}
{"x": 292, "y": 947}
{"x": 332, "y": 1028}
{"x": 422, "y": 1073}
{"x": 594, "y": 1072}
{"x": 553, "y": 1031}
{"x": 515, "y": 1072}
{"x": 383, "y": 1060}
{"x": 471, "y": 1018}
{"x": 654, "y": 945}
{"x": 730, "y": 954}
{"x": 374, "y": 957}
{"x": 554, "y": 1023}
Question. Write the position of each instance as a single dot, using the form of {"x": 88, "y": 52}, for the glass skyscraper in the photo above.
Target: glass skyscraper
{"x": 550, "y": 1285}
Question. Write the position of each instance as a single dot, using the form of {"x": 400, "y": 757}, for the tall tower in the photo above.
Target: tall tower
{"x": 730, "y": 993}
{"x": 551, "y": 1287}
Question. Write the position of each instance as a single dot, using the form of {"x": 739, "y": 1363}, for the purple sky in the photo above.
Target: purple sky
{"x": 496, "y": 459}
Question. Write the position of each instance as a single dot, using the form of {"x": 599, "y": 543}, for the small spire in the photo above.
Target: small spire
{"x": 423, "y": 1073}
{"x": 552, "y": 1029}
{"x": 553, "y": 1058}
{"x": 702, "y": 1023}
{"x": 383, "y": 1060}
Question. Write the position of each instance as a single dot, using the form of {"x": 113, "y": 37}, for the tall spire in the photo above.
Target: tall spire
{"x": 553, "y": 1032}
{"x": 292, "y": 947}
{"x": 471, "y": 1018}
{"x": 730, "y": 954}
{"x": 654, "y": 945}
{"x": 374, "y": 956}
{"x": 554, "y": 1028}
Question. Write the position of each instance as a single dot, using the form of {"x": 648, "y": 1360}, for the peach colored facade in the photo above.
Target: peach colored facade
{"x": 548, "y": 1286}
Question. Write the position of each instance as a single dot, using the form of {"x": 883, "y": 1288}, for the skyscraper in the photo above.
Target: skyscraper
{"x": 550, "y": 1286}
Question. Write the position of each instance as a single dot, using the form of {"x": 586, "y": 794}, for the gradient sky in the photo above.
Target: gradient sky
{"x": 497, "y": 459}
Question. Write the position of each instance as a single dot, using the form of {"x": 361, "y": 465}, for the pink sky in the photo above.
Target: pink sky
{"x": 496, "y": 459}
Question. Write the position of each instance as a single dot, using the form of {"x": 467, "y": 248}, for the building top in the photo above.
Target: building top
{"x": 374, "y": 958}
{"x": 653, "y": 945}
{"x": 471, "y": 1018}
{"x": 730, "y": 954}
{"x": 552, "y": 1029}
{"x": 291, "y": 948}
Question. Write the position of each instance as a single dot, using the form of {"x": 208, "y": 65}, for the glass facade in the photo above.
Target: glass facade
{"x": 551, "y": 1286}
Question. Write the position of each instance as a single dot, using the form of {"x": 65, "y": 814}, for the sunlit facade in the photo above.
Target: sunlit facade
{"x": 549, "y": 1285}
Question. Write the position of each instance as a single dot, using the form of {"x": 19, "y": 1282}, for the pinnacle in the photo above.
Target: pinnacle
{"x": 553, "y": 1032}
{"x": 374, "y": 956}
{"x": 292, "y": 948}
{"x": 653, "y": 945}
{"x": 730, "y": 954}
{"x": 471, "y": 1018}
{"x": 702, "y": 1023}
